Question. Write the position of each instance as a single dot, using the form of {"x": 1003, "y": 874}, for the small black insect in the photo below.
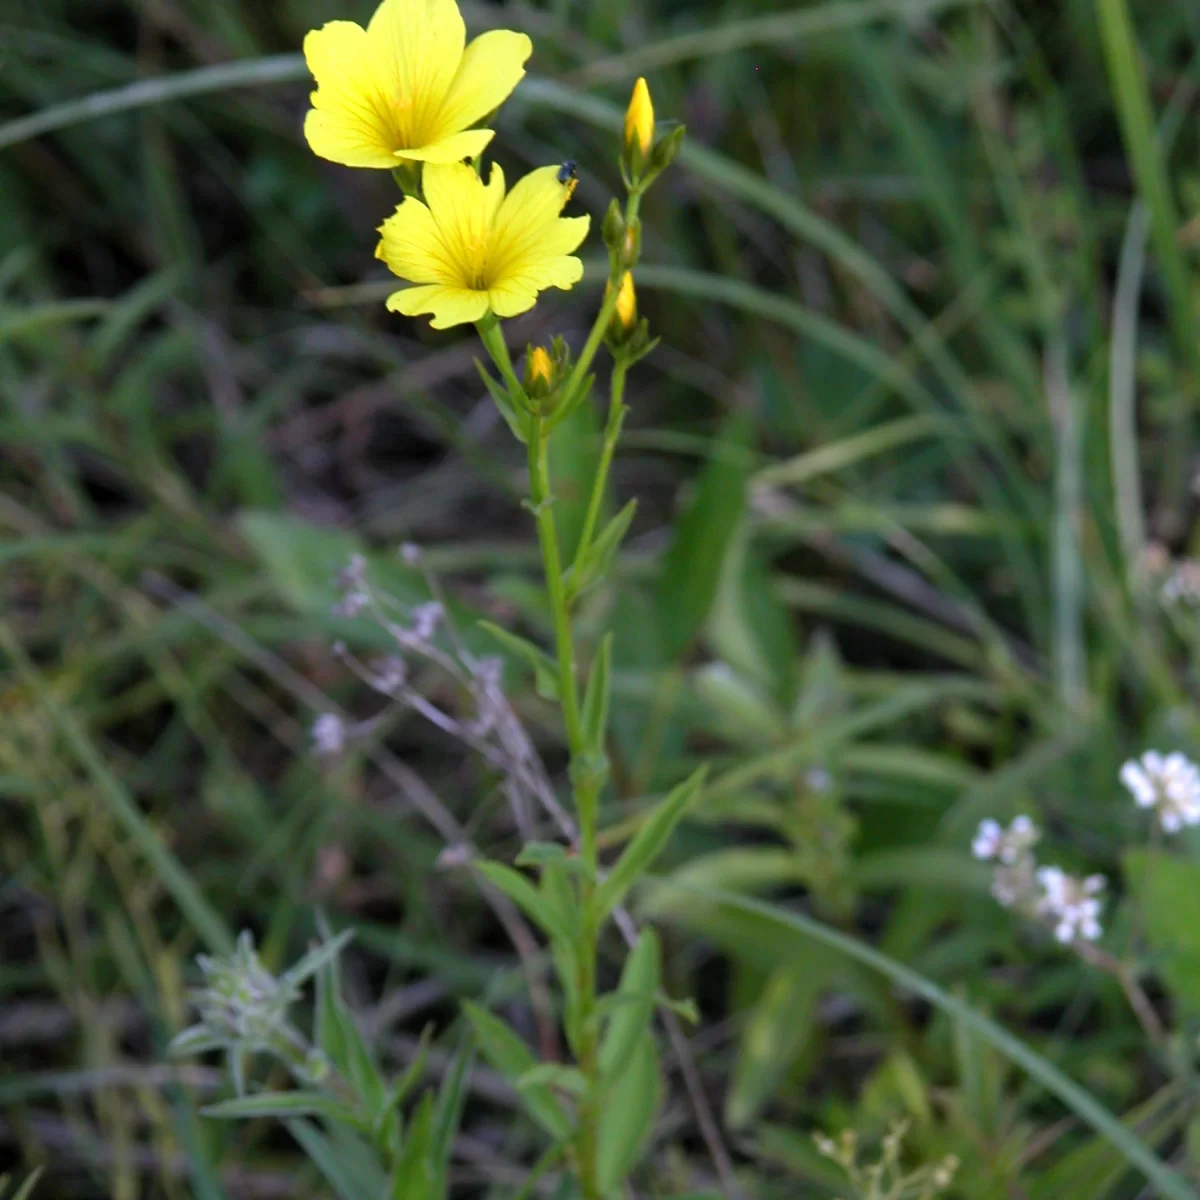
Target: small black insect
{"x": 568, "y": 177}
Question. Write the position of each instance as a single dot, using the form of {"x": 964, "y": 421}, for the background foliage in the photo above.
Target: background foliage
{"x": 925, "y": 280}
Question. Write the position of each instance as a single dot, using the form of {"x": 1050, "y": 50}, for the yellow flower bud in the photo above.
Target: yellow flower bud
{"x": 626, "y": 311}
{"x": 639, "y": 121}
{"x": 539, "y": 370}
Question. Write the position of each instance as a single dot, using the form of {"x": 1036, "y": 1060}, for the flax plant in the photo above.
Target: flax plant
{"x": 405, "y": 94}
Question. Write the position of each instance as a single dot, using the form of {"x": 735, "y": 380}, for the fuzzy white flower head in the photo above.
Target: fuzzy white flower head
{"x": 993, "y": 841}
{"x": 1169, "y": 784}
{"x": 1070, "y": 903}
{"x": 329, "y": 735}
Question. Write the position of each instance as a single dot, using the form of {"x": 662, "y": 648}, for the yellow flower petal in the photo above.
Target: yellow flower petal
{"x": 449, "y": 305}
{"x": 516, "y": 294}
{"x": 349, "y": 122}
{"x": 452, "y": 149}
{"x": 415, "y": 50}
{"x": 528, "y": 227}
{"x": 413, "y": 248}
{"x": 493, "y": 64}
{"x": 464, "y": 209}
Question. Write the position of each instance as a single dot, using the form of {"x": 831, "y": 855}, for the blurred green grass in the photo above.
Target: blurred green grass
{"x": 925, "y": 392}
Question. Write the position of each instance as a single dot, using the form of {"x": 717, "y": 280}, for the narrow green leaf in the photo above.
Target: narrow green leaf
{"x": 631, "y": 1020}
{"x": 536, "y": 854}
{"x": 197, "y": 1039}
{"x": 593, "y": 566}
{"x": 647, "y": 844}
{"x": 513, "y": 1059}
{"x": 518, "y": 889}
{"x": 316, "y": 958}
{"x": 26, "y": 1188}
{"x": 282, "y": 1104}
{"x": 627, "y": 1118}
{"x": 414, "y": 1176}
{"x": 517, "y": 421}
{"x": 343, "y": 1159}
{"x": 554, "y": 1075}
{"x": 545, "y": 670}
{"x": 596, "y": 697}
{"x": 451, "y": 1099}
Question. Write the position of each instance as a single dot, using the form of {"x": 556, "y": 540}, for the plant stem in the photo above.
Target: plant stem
{"x": 612, "y": 431}
{"x": 607, "y": 308}
{"x": 542, "y": 500}
{"x": 587, "y": 788}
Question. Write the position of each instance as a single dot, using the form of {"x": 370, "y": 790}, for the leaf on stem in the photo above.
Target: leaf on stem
{"x": 545, "y": 671}
{"x": 646, "y": 845}
{"x": 595, "y": 699}
{"x": 635, "y": 1006}
{"x": 595, "y": 563}
{"x": 519, "y": 890}
{"x": 513, "y": 1059}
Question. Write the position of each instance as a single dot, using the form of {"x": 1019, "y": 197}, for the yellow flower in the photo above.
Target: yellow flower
{"x": 475, "y": 250}
{"x": 639, "y": 120}
{"x": 405, "y": 87}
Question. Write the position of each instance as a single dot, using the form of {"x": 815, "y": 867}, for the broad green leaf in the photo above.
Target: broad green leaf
{"x": 527, "y": 897}
{"x": 574, "y": 453}
{"x": 627, "y": 1118}
{"x": 594, "y": 565}
{"x": 777, "y": 1032}
{"x": 1167, "y": 888}
{"x": 703, "y": 534}
{"x": 646, "y": 845}
{"x": 545, "y": 670}
{"x": 513, "y": 1059}
{"x": 282, "y": 1104}
{"x": 750, "y": 627}
{"x": 741, "y": 714}
{"x": 631, "y": 1019}
{"x": 596, "y": 697}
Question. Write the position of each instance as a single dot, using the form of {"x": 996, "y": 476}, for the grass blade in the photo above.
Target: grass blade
{"x": 1166, "y": 1181}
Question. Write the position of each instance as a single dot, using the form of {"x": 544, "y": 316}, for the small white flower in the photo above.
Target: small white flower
{"x": 993, "y": 841}
{"x": 1170, "y": 784}
{"x": 1070, "y": 903}
{"x": 426, "y": 618}
{"x": 328, "y": 734}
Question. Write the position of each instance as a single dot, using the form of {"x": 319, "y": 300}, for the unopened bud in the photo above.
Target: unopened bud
{"x": 667, "y": 148}
{"x": 639, "y": 123}
{"x": 539, "y": 372}
{"x": 613, "y": 228}
{"x": 625, "y": 314}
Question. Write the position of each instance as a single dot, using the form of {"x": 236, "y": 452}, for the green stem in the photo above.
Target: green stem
{"x": 612, "y": 431}
{"x": 602, "y": 317}
{"x": 542, "y": 503}
{"x": 494, "y": 343}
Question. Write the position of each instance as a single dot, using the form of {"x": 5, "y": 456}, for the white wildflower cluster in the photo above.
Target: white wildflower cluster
{"x": 1169, "y": 784}
{"x": 1067, "y": 903}
{"x": 1071, "y": 903}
